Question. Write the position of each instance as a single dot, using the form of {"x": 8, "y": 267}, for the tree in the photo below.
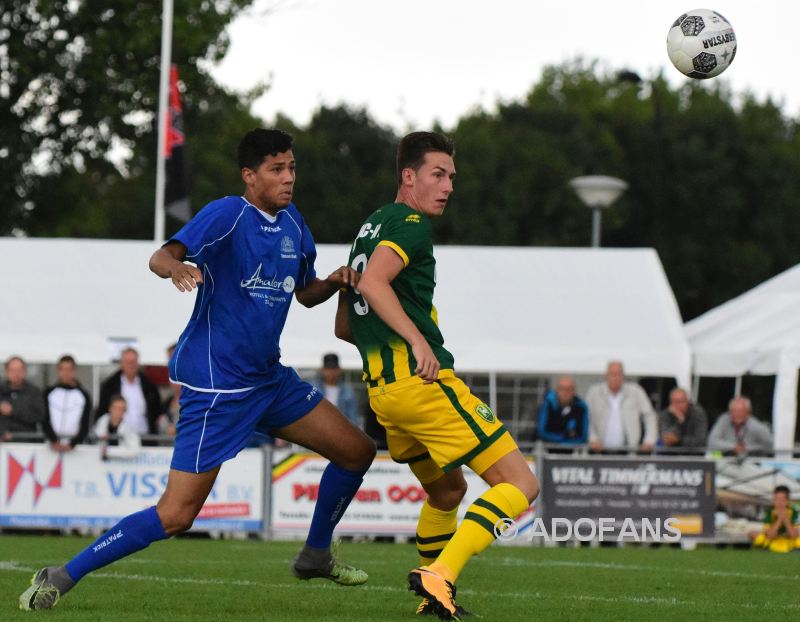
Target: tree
{"x": 79, "y": 82}
{"x": 713, "y": 183}
{"x": 345, "y": 169}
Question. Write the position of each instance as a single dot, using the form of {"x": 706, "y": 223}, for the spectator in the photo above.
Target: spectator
{"x": 682, "y": 423}
{"x": 329, "y": 382}
{"x": 141, "y": 396}
{"x": 68, "y": 408}
{"x": 118, "y": 439}
{"x": 621, "y": 414}
{"x": 780, "y": 532}
{"x": 563, "y": 416}
{"x": 21, "y": 403}
{"x": 737, "y": 432}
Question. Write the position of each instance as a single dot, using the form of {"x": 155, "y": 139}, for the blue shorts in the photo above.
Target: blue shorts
{"x": 214, "y": 427}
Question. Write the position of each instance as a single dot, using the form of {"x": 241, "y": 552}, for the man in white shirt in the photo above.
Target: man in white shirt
{"x": 620, "y": 414}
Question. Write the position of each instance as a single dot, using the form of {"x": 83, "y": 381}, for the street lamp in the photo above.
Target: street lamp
{"x": 597, "y": 192}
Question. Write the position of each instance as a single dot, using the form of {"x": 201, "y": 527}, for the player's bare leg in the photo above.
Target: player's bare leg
{"x": 326, "y": 431}
{"x": 183, "y": 498}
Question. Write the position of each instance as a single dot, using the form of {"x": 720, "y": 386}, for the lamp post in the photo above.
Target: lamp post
{"x": 597, "y": 192}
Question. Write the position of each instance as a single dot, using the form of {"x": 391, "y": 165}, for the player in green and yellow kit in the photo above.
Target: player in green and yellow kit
{"x": 781, "y": 532}
{"x": 432, "y": 420}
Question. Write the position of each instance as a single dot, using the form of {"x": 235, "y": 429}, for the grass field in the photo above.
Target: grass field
{"x": 193, "y": 579}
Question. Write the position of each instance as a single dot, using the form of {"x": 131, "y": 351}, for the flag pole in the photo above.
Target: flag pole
{"x": 163, "y": 100}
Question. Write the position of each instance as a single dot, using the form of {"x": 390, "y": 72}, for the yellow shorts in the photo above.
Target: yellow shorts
{"x": 781, "y": 544}
{"x": 442, "y": 421}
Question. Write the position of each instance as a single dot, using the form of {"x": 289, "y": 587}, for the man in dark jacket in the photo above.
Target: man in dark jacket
{"x": 21, "y": 403}
{"x": 141, "y": 395}
{"x": 68, "y": 408}
{"x": 563, "y": 416}
{"x": 682, "y": 423}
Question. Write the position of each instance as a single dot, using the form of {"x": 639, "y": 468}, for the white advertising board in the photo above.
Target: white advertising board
{"x": 388, "y": 501}
{"x": 42, "y": 488}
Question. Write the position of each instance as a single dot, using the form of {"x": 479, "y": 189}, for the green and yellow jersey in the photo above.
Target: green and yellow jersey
{"x": 386, "y": 356}
{"x": 770, "y": 517}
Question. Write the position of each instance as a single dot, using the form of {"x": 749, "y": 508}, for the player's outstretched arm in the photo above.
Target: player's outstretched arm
{"x": 167, "y": 263}
{"x": 320, "y": 290}
{"x": 376, "y": 288}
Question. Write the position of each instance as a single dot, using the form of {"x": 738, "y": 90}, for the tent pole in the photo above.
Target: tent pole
{"x": 737, "y": 387}
{"x": 695, "y": 388}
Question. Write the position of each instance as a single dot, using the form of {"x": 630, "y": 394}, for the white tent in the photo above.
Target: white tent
{"x": 537, "y": 310}
{"x": 758, "y": 333}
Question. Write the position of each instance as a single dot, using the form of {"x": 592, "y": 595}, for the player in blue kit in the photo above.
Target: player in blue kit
{"x": 252, "y": 254}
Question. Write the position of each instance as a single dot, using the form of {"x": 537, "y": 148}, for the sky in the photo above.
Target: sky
{"x": 414, "y": 62}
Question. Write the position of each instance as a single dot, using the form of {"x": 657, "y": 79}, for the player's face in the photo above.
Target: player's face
{"x": 780, "y": 500}
{"x": 269, "y": 187}
{"x": 432, "y": 184}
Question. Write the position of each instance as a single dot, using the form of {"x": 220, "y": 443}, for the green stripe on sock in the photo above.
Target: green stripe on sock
{"x": 491, "y": 507}
{"x": 482, "y": 521}
{"x": 433, "y": 539}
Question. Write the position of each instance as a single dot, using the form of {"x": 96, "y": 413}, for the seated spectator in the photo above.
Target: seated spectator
{"x": 621, "y": 415}
{"x": 736, "y": 432}
{"x": 21, "y": 403}
{"x": 780, "y": 532}
{"x": 68, "y": 408}
{"x": 118, "y": 439}
{"x": 563, "y": 416}
{"x": 682, "y": 423}
{"x": 337, "y": 392}
{"x": 141, "y": 395}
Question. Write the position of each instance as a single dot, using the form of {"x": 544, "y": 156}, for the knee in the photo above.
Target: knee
{"x": 360, "y": 455}
{"x": 176, "y": 520}
{"x": 530, "y": 488}
{"x": 446, "y": 499}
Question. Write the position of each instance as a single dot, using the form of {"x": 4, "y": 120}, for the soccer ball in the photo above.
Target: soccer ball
{"x": 701, "y": 44}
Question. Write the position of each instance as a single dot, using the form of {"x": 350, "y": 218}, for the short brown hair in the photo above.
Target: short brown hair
{"x": 413, "y": 147}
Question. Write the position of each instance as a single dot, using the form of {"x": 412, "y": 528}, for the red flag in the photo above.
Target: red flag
{"x": 176, "y": 196}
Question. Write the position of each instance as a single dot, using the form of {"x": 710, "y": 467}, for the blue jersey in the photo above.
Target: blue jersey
{"x": 251, "y": 265}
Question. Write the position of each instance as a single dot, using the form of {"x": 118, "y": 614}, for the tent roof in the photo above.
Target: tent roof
{"x": 748, "y": 333}
{"x": 539, "y": 310}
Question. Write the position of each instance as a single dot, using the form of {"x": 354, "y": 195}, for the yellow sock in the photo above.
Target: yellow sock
{"x": 477, "y": 530}
{"x": 434, "y": 530}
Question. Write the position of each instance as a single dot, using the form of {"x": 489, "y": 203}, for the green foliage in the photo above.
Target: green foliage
{"x": 80, "y": 77}
{"x": 713, "y": 182}
{"x": 346, "y": 170}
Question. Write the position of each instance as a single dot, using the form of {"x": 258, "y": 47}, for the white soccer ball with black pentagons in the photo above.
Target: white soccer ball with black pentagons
{"x": 701, "y": 44}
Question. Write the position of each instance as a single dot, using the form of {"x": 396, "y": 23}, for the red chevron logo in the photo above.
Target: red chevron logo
{"x": 16, "y": 471}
